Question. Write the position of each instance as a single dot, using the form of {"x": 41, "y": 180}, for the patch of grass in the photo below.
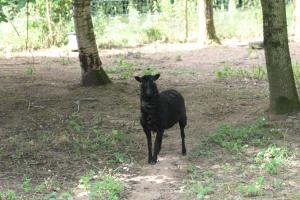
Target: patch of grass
{"x": 253, "y": 189}
{"x": 108, "y": 188}
{"x": 201, "y": 190}
{"x": 124, "y": 69}
{"x": 271, "y": 158}
{"x": 199, "y": 183}
{"x": 8, "y": 195}
{"x": 236, "y": 138}
{"x": 58, "y": 196}
{"x": 202, "y": 149}
{"x": 84, "y": 138}
{"x": 255, "y": 72}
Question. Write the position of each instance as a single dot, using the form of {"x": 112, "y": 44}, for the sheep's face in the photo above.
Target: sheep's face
{"x": 148, "y": 86}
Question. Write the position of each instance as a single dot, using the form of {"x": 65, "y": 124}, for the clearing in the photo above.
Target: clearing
{"x": 54, "y": 133}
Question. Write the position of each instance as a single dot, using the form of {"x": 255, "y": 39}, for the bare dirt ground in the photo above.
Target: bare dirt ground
{"x": 40, "y": 91}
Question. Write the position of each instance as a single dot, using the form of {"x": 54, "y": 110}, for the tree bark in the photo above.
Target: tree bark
{"x": 92, "y": 73}
{"x": 283, "y": 93}
{"x": 296, "y": 13}
{"x": 207, "y": 32}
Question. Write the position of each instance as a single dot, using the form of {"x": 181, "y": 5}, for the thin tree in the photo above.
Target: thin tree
{"x": 296, "y": 13}
{"x": 207, "y": 31}
{"x": 91, "y": 71}
{"x": 283, "y": 93}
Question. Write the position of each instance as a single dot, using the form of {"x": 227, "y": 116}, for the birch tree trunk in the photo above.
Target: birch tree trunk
{"x": 91, "y": 71}
{"x": 283, "y": 93}
{"x": 207, "y": 32}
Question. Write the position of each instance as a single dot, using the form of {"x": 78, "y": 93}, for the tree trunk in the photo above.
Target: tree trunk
{"x": 186, "y": 21}
{"x": 91, "y": 70}
{"x": 207, "y": 32}
{"x": 283, "y": 93}
{"x": 49, "y": 23}
{"x": 296, "y": 24}
{"x": 232, "y": 6}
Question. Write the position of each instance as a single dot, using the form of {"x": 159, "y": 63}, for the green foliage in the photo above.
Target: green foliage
{"x": 235, "y": 138}
{"x": 58, "y": 196}
{"x": 253, "y": 189}
{"x": 271, "y": 158}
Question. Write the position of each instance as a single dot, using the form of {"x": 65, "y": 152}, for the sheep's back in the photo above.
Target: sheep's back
{"x": 171, "y": 108}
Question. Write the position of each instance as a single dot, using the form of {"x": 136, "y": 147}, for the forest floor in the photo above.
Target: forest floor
{"x": 59, "y": 140}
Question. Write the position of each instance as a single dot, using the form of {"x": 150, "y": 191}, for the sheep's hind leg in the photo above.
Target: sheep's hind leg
{"x": 157, "y": 147}
{"x": 182, "y": 124}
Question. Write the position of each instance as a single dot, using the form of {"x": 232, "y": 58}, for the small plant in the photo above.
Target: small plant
{"x": 30, "y": 70}
{"x": 64, "y": 61}
{"x": 253, "y": 189}
{"x": 27, "y": 185}
{"x": 153, "y": 34}
{"x": 271, "y": 158}
{"x": 75, "y": 122}
{"x": 224, "y": 72}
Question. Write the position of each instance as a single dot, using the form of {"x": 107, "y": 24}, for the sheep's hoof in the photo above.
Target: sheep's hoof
{"x": 184, "y": 152}
{"x": 152, "y": 162}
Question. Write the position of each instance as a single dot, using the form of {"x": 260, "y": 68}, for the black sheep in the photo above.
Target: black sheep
{"x": 160, "y": 111}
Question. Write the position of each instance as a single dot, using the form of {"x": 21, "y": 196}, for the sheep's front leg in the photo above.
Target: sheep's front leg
{"x": 157, "y": 146}
{"x": 149, "y": 142}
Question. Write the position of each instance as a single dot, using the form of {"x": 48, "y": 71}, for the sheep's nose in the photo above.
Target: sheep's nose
{"x": 148, "y": 93}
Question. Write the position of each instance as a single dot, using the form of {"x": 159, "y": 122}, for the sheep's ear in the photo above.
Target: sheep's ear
{"x": 138, "y": 78}
{"x": 155, "y": 77}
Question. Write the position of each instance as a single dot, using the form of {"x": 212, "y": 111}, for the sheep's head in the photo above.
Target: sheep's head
{"x": 148, "y": 86}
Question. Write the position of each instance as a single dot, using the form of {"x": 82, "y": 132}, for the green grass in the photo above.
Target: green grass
{"x": 272, "y": 158}
{"x": 236, "y": 138}
{"x": 199, "y": 183}
{"x": 107, "y": 188}
{"x": 253, "y": 189}
{"x": 8, "y": 195}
